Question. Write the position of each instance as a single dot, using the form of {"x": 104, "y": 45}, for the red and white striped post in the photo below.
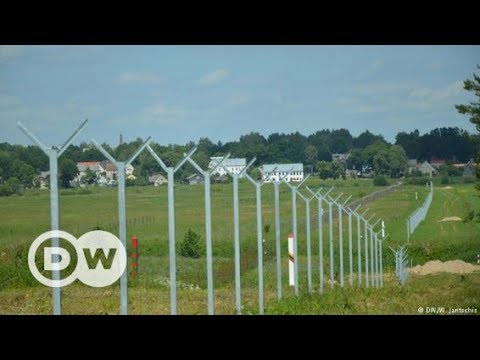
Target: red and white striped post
{"x": 291, "y": 261}
{"x": 135, "y": 256}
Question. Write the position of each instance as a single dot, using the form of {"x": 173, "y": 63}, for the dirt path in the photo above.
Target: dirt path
{"x": 450, "y": 200}
{"x": 375, "y": 195}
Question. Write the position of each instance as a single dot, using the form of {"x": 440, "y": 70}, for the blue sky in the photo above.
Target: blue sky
{"x": 181, "y": 93}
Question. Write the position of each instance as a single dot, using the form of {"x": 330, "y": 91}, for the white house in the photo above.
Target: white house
{"x": 340, "y": 157}
{"x": 280, "y": 170}
{"x": 95, "y": 166}
{"x": 233, "y": 165}
{"x": 42, "y": 180}
{"x": 105, "y": 171}
{"x": 426, "y": 168}
{"x": 157, "y": 179}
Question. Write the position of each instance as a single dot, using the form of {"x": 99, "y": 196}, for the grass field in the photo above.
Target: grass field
{"x": 25, "y": 217}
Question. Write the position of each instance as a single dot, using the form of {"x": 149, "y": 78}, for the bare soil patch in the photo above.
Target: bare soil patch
{"x": 451, "y": 266}
{"x": 450, "y": 218}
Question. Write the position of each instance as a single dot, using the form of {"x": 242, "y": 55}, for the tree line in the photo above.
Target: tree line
{"x": 20, "y": 164}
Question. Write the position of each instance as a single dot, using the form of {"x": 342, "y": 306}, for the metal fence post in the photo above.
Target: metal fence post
{"x": 171, "y": 240}
{"x": 171, "y": 223}
{"x": 381, "y": 260}
{"x": 340, "y": 237}
{"x": 365, "y": 233}
{"x": 330, "y": 220}
{"x": 236, "y": 233}
{"x": 236, "y": 244}
{"x": 330, "y": 225}
{"x": 278, "y": 250}
{"x": 309, "y": 248}
{"x": 122, "y": 229}
{"x": 295, "y": 232}
{"x": 350, "y": 241}
{"x": 374, "y": 255}
{"x": 376, "y": 262}
{"x": 278, "y": 247}
{"x": 258, "y": 185}
{"x": 53, "y": 154}
{"x": 350, "y": 251}
{"x": 208, "y": 228}
{"x": 340, "y": 241}
{"x": 320, "y": 232}
{"x": 295, "y": 238}
{"x": 122, "y": 217}
{"x": 359, "y": 253}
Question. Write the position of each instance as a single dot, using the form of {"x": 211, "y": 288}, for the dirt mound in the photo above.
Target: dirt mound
{"x": 450, "y": 218}
{"x": 451, "y": 266}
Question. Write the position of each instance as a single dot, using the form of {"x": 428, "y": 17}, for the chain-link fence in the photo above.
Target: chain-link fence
{"x": 419, "y": 214}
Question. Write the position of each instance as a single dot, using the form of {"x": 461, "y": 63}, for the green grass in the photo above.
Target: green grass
{"x": 436, "y": 240}
{"x": 439, "y": 290}
{"x": 25, "y": 217}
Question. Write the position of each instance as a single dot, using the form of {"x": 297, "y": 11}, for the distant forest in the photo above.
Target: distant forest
{"x": 452, "y": 144}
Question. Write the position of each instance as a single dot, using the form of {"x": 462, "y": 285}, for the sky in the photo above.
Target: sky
{"x": 177, "y": 94}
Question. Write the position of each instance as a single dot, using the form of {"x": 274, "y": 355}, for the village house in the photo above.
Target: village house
{"x": 157, "y": 179}
{"x": 437, "y": 162}
{"x": 277, "y": 171}
{"x": 42, "y": 180}
{"x": 235, "y": 166}
{"x": 105, "y": 171}
{"x": 412, "y": 164}
{"x": 340, "y": 157}
{"x": 194, "y": 179}
{"x": 469, "y": 168}
{"x": 426, "y": 168}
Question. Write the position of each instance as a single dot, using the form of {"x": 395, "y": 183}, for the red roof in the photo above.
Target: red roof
{"x": 435, "y": 160}
{"x": 88, "y": 163}
{"x": 110, "y": 167}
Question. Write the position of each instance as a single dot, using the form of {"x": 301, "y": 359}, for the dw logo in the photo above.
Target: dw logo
{"x": 101, "y": 258}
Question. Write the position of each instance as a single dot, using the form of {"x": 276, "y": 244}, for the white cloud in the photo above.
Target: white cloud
{"x": 238, "y": 100}
{"x": 9, "y": 52}
{"x": 7, "y": 101}
{"x": 377, "y": 64}
{"x": 138, "y": 78}
{"x": 435, "y": 95}
{"x": 159, "y": 114}
{"x": 162, "y": 114}
{"x": 49, "y": 116}
{"x": 213, "y": 77}
{"x": 382, "y": 88}
{"x": 346, "y": 101}
{"x": 371, "y": 108}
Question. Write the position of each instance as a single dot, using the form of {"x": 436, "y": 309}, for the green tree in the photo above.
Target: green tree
{"x": 397, "y": 161}
{"x": 90, "y": 177}
{"x": 25, "y": 173}
{"x": 354, "y": 161}
{"x": 341, "y": 141}
{"x": 473, "y": 110}
{"x": 373, "y": 150}
{"x": 338, "y": 169}
{"x": 380, "y": 180}
{"x": 367, "y": 138}
{"x": 191, "y": 246}
{"x": 324, "y": 169}
{"x": 201, "y": 158}
{"x": 311, "y": 155}
{"x": 68, "y": 170}
{"x": 11, "y": 186}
